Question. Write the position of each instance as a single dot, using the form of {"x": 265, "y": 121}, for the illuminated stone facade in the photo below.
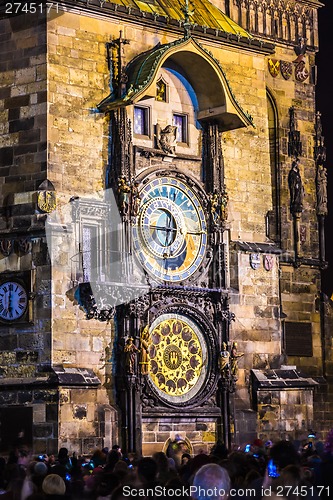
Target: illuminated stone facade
{"x": 66, "y": 140}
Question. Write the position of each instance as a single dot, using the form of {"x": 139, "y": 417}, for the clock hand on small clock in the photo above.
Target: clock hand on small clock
{"x": 10, "y": 303}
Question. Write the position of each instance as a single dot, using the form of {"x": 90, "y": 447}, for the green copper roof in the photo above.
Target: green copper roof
{"x": 142, "y": 70}
{"x": 204, "y": 13}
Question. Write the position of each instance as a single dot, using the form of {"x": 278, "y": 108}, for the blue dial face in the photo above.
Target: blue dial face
{"x": 13, "y": 300}
{"x": 170, "y": 236}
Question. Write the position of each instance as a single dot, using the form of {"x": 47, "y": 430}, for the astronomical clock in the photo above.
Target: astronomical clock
{"x": 170, "y": 236}
{"x": 176, "y": 372}
{"x": 178, "y": 358}
{"x": 167, "y": 173}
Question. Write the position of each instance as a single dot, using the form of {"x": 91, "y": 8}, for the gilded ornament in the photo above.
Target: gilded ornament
{"x": 47, "y": 201}
{"x": 176, "y": 357}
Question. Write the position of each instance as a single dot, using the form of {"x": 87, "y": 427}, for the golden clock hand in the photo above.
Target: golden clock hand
{"x": 193, "y": 232}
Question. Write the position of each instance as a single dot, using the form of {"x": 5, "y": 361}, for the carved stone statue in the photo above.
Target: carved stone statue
{"x": 214, "y": 205}
{"x": 296, "y": 188}
{"x": 219, "y": 206}
{"x": 224, "y": 361}
{"x": 135, "y": 199}
{"x": 166, "y": 138}
{"x": 234, "y": 356}
{"x": 123, "y": 192}
{"x": 224, "y": 205}
{"x": 144, "y": 351}
{"x": 321, "y": 186}
{"x": 130, "y": 351}
{"x": 300, "y": 49}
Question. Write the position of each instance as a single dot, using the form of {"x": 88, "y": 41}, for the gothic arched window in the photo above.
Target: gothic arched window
{"x": 273, "y": 217}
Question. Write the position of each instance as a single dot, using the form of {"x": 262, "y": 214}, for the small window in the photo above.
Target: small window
{"x": 181, "y": 123}
{"x": 89, "y": 252}
{"x": 141, "y": 120}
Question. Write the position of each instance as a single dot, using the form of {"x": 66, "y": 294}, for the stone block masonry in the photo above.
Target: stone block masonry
{"x": 23, "y": 107}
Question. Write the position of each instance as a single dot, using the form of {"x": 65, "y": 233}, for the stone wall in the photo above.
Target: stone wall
{"x": 78, "y": 146}
{"x": 22, "y": 104}
{"x": 200, "y": 432}
{"x": 43, "y": 403}
{"x": 77, "y": 143}
{"x": 86, "y": 420}
{"x": 286, "y": 414}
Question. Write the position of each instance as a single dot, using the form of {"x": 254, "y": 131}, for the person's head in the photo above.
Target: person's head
{"x": 40, "y": 469}
{"x": 185, "y": 458}
{"x": 161, "y": 460}
{"x": 283, "y": 453}
{"x": 54, "y": 485}
{"x": 147, "y": 469}
{"x": 98, "y": 457}
{"x": 63, "y": 453}
{"x": 63, "y": 457}
{"x": 108, "y": 483}
{"x": 211, "y": 482}
{"x": 117, "y": 449}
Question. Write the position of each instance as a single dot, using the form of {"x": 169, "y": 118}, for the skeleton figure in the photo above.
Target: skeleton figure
{"x": 166, "y": 138}
{"x": 234, "y": 359}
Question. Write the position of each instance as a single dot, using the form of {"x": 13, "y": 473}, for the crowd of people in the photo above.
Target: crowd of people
{"x": 279, "y": 470}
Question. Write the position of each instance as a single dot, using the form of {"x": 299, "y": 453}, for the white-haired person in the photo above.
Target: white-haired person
{"x": 211, "y": 482}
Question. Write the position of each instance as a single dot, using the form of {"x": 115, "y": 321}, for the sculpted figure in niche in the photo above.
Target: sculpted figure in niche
{"x": 234, "y": 356}
{"x": 123, "y": 191}
{"x": 144, "y": 351}
{"x": 135, "y": 199}
{"x": 166, "y": 138}
{"x": 224, "y": 205}
{"x": 130, "y": 351}
{"x": 296, "y": 188}
{"x": 214, "y": 202}
{"x": 224, "y": 361}
{"x": 321, "y": 190}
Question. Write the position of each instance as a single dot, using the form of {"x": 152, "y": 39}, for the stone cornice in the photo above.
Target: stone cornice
{"x": 106, "y": 10}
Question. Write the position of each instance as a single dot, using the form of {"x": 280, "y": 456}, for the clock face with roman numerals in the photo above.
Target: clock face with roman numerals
{"x": 170, "y": 237}
{"x": 13, "y": 300}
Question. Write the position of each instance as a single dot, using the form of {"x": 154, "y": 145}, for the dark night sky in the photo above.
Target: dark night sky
{"x": 325, "y": 106}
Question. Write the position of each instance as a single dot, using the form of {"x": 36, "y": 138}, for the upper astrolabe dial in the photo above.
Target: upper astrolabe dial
{"x": 170, "y": 236}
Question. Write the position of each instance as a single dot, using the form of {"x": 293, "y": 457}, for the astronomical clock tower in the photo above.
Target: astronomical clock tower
{"x": 167, "y": 174}
{"x": 163, "y": 201}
